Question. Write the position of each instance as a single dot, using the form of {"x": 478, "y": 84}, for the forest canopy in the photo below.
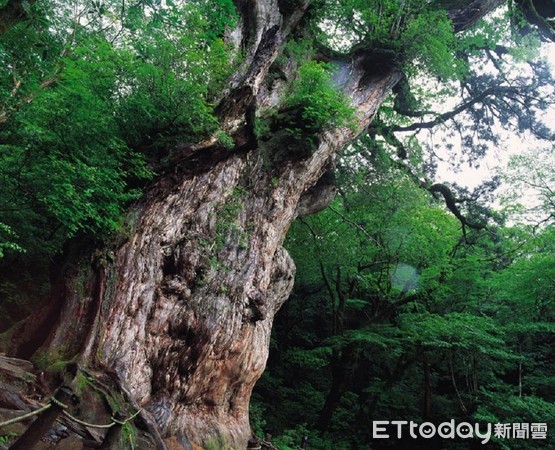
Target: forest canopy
{"x": 149, "y": 74}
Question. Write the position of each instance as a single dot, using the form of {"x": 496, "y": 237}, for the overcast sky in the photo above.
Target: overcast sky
{"x": 497, "y": 158}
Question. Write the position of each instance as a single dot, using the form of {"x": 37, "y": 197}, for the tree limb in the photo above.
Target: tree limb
{"x": 470, "y": 12}
{"x": 451, "y": 203}
{"x": 441, "y": 118}
{"x": 530, "y": 11}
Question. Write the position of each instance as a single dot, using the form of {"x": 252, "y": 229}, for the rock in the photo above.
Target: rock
{"x": 16, "y": 368}
{"x": 70, "y": 443}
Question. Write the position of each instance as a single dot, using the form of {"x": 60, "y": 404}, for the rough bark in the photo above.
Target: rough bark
{"x": 465, "y": 13}
{"x": 181, "y": 312}
{"x": 184, "y": 319}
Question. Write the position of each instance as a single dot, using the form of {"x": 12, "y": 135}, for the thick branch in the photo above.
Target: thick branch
{"x": 441, "y": 118}
{"x": 450, "y": 200}
{"x": 5, "y": 114}
{"x": 536, "y": 13}
{"x": 451, "y": 204}
{"x": 468, "y": 13}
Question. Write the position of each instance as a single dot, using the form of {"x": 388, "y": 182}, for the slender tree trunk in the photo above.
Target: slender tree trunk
{"x": 339, "y": 380}
{"x": 520, "y": 372}
{"x": 427, "y": 403}
{"x": 462, "y": 406}
{"x": 181, "y": 312}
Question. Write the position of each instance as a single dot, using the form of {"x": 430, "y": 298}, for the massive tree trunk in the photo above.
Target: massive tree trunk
{"x": 181, "y": 312}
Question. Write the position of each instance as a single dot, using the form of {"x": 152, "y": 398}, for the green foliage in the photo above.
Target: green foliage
{"x": 502, "y": 407}
{"x": 388, "y": 293}
{"x": 300, "y": 51}
{"x": 5, "y": 438}
{"x": 432, "y": 53}
{"x": 321, "y": 105}
{"x": 256, "y": 419}
{"x": 6, "y": 242}
{"x": 315, "y": 358}
{"x": 224, "y": 139}
{"x": 401, "y": 29}
{"x": 93, "y": 99}
{"x": 216, "y": 443}
{"x": 312, "y": 104}
{"x": 129, "y": 436}
{"x": 291, "y": 439}
{"x": 89, "y": 107}
{"x": 530, "y": 175}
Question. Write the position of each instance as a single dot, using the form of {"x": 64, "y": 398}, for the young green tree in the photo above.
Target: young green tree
{"x": 410, "y": 321}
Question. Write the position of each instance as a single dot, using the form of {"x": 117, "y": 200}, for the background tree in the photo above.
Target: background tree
{"x": 409, "y": 321}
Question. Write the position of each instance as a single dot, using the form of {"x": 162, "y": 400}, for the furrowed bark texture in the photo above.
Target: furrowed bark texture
{"x": 181, "y": 313}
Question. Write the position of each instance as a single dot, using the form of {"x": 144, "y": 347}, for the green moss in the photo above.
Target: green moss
{"x": 100, "y": 400}
{"x": 81, "y": 382}
{"x": 217, "y": 443}
{"x": 81, "y": 280}
{"x": 227, "y": 223}
{"x": 53, "y": 362}
{"x": 128, "y": 437}
{"x": 59, "y": 366}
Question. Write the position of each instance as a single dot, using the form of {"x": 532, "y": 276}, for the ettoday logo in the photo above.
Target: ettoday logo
{"x": 427, "y": 430}
{"x": 381, "y": 429}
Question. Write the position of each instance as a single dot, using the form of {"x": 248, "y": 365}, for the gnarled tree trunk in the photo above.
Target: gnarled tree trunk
{"x": 182, "y": 311}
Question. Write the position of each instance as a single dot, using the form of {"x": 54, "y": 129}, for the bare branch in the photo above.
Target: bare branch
{"x": 441, "y": 118}
{"x": 451, "y": 203}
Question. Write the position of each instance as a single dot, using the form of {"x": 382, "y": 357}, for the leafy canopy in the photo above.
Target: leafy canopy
{"x": 400, "y": 29}
{"x": 91, "y": 99}
{"x": 322, "y": 104}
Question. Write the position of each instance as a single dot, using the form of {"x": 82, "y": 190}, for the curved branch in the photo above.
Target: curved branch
{"x": 451, "y": 203}
{"x": 469, "y": 13}
{"x": 441, "y": 118}
{"x": 534, "y": 17}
